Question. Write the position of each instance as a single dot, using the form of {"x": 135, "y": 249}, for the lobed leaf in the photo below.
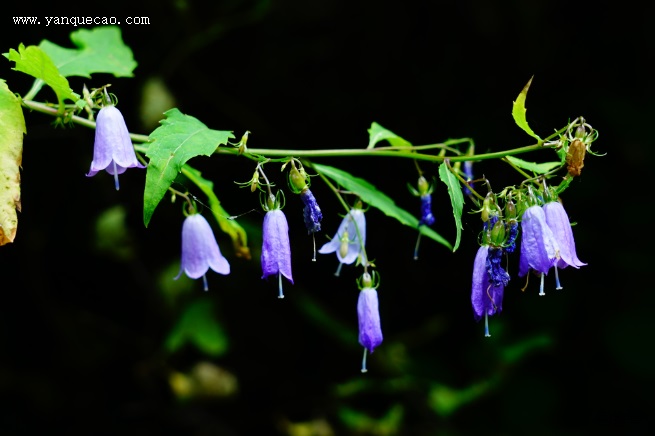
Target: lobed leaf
{"x": 518, "y": 111}
{"x": 373, "y": 197}
{"x": 12, "y": 126}
{"x": 99, "y": 50}
{"x": 34, "y": 61}
{"x": 456, "y": 198}
{"x": 378, "y": 133}
{"x": 179, "y": 138}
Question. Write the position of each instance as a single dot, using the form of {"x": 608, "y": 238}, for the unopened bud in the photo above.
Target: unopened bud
{"x": 296, "y": 180}
{"x": 498, "y": 233}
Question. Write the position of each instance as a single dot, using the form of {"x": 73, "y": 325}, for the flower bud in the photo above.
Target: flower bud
{"x": 575, "y": 157}
{"x": 423, "y": 186}
{"x": 498, "y": 233}
{"x": 296, "y": 180}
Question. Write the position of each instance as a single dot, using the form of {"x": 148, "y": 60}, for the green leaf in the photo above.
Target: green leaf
{"x": 34, "y": 61}
{"x": 456, "y": 198}
{"x": 539, "y": 168}
{"x": 226, "y": 223}
{"x": 99, "y": 50}
{"x": 378, "y": 133}
{"x": 518, "y": 112}
{"x": 372, "y": 196}
{"x": 198, "y": 325}
{"x": 179, "y": 138}
{"x": 12, "y": 126}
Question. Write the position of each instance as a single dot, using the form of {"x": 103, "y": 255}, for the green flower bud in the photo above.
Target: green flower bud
{"x": 297, "y": 182}
{"x": 486, "y": 208}
{"x": 498, "y": 234}
{"x": 423, "y": 186}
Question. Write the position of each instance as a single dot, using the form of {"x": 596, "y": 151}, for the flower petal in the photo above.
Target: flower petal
{"x": 199, "y": 249}
{"x": 559, "y": 223}
{"x": 368, "y": 314}
{"x": 276, "y": 250}
{"x": 539, "y": 249}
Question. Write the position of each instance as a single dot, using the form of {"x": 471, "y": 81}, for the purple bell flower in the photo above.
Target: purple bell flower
{"x": 346, "y": 242}
{"x": 200, "y": 250}
{"x": 539, "y": 248}
{"x": 368, "y": 314}
{"x": 113, "y": 150}
{"x": 311, "y": 212}
{"x": 486, "y": 298}
{"x": 427, "y": 217}
{"x": 468, "y": 172}
{"x": 558, "y": 221}
{"x": 276, "y": 250}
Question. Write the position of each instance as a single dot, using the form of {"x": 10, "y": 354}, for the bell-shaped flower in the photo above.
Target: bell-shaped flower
{"x": 368, "y": 315}
{"x": 486, "y": 297}
{"x": 427, "y": 218}
{"x": 299, "y": 184}
{"x": 558, "y": 221}
{"x": 113, "y": 150}
{"x": 276, "y": 250}
{"x": 200, "y": 250}
{"x": 311, "y": 212}
{"x": 539, "y": 248}
{"x": 350, "y": 239}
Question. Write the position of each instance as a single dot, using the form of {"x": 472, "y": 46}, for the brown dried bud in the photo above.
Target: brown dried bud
{"x": 575, "y": 157}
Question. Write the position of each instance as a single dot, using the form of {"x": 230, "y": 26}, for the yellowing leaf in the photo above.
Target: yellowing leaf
{"x": 519, "y": 110}
{"x": 12, "y": 126}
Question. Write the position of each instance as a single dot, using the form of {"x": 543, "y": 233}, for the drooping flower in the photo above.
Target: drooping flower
{"x": 558, "y": 221}
{"x": 200, "y": 250}
{"x": 539, "y": 248}
{"x": 350, "y": 239}
{"x": 486, "y": 297}
{"x": 497, "y": 274}
{"x": 427, "y": 218}
{"x": 276, "y": 250}
{"x": 468, "y": 172}
{"x": 368, "y": 315}
{"x": 298, "y": 182}
{"x": 311, "y": 212}
{"x": 113, "y": 150}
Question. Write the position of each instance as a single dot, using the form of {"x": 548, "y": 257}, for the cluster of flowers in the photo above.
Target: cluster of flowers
{"x": 546, "y": 242}
{"x": 114, "y": 153}
{"x": 546, "y": 234}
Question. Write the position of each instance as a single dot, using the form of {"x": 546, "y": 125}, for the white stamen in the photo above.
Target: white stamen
{"x": 314, "y": 239}
{"x": 486, "y": 326}
{"x": 204, "y": 281}
{"x": 338, "y": 271}
{"x": 418, "y": 241}
{"x": 557, "y": 284}
{"x": 364, "y": 361}
{"x": 281, "y": 294}
{"x": 115, "y": 174}
{"x": 541, "y": 286}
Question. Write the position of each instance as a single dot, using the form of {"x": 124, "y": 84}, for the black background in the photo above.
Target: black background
{"x": 82, "y": 329}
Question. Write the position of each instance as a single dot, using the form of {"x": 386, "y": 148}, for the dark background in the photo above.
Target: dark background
{"x": 83, "y": 323}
